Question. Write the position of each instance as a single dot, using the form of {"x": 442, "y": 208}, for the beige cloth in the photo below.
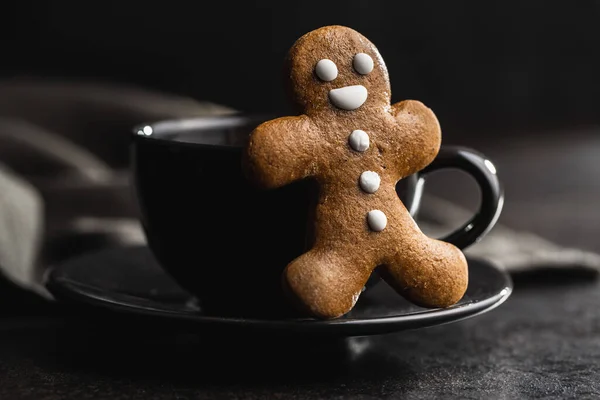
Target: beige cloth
{"x": 64, "y": 187}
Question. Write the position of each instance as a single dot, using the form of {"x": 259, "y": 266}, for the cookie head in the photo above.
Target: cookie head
{"x": 336, "y": 69}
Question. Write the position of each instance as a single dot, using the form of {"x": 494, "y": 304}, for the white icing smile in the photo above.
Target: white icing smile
{"x": 348, "y": 97}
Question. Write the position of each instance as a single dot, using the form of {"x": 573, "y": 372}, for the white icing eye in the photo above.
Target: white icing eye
{"x": 326, "y": 70}
{"x": 362, "y": 63}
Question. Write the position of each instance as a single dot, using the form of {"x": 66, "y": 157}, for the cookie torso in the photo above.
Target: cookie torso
{"x": 348, "y": 183}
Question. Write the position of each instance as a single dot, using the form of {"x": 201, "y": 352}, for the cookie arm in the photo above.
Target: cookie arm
{"x": 419, "y": 137}
{"x": 281, "y": 151}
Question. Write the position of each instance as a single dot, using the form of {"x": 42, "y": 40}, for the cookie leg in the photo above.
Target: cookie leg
{"x": 325, "y": 283}
{"x": 428, "y": 272}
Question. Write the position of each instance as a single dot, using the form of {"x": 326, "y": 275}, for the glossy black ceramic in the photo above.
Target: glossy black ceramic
{"x": 130, "y": 282}
{"x": 228, "y": 242}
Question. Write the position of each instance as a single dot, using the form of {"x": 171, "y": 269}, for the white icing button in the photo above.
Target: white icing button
{"x": 377, "y": 220}
{"x": 326, "y": 70}
{"x": 369, "y": 181}
{"x": 362, "y": 63}
{"x": 359, "y": 140}
{"x": 348, "y": 97}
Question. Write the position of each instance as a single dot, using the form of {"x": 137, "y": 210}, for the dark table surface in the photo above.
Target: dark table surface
{"x": 544, "y": 342}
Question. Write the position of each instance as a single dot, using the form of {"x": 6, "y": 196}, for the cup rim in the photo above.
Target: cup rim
{"x": 164, "y": 131}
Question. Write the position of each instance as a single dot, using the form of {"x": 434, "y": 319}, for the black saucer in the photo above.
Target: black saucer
{"x": 130, "y": 283}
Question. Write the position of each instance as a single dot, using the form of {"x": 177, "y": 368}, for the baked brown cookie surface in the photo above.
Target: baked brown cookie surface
{"x": 357, "y": 146}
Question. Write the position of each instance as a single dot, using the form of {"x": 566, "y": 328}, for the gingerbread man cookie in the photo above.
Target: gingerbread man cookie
{"x": 357, "y": 146}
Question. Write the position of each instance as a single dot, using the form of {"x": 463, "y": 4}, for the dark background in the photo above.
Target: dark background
{"x": 483, "y": 66}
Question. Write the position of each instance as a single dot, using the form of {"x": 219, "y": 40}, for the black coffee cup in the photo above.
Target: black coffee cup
{"x": 226, "y": 241}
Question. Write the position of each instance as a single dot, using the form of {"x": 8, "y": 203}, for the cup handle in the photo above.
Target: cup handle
{"x": 492, "y": 193}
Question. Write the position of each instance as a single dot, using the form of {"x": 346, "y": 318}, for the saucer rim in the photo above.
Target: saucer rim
{"x": 64, "y": 289}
